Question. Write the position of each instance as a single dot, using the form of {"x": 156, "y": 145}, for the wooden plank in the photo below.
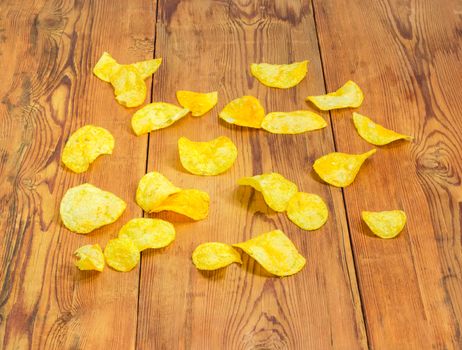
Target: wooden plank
{"x": 406, "y": 56}
{"x": 209, "y": 45}
{"x": 47, "y": 90}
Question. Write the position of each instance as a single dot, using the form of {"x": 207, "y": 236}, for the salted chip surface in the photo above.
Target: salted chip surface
{"x": 190, "y": 202}
{"x": 308, "y": 211}
{"x": 129, "y": 86}
{"x": 85, "y": 208}
{"x": 106, "y": 67}
{"x": 385, "y": 224}
{"x": 207, "y": 158}
{"x": 349, "y": 95}
{"x": 275, "y": 252}
{"x": 215, "y": 255}
{"x": 275, "y": 188}
{"x": 340, "y": 169}
{"x": 153, "y": 189}
{"x": 90, "y": 257}
{"x": 198, "y": 103}
{"x": 155, "y": 116}
{"x": 281, "y": 76}
{"x": 244, "y": 111}
{"x": 121, "y": 254}
{"x": 148, "y": 233}
{"x": 294, "y": 122}
{"x": 148, "y": 67}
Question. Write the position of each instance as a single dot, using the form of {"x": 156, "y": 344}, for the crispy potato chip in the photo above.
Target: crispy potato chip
{"x": 90, "y": 257}
{"x": 153, "y": 189}
{"x": 276, "y": 189}
{"x": 198, "y": 103}
{"x": 215, "y": 255}
{"x": 349, "y": 95}
{"x": 148, "y": 67}
{"x": 148, "y": 233}
{"x": 294, "y": 122}
{"x": 121, "y": 254}
{"x": 156, "y": 116}
{"x": 275, "y": 252}
{"x": 340, "y": 169}
{"x": 207, "y": 158}
{"x": 244, "y": 111}
{"x": 129, "y": 86}
{"x": 85, "y": 208}
{"x": 191, "y": 203}
{"x": 281, "y": 76}
{"x": 307, "y": 211}
{"x": 106, "y": 67}
{"x": 385, "y": 224}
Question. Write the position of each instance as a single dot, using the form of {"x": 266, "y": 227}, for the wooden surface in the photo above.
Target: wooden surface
{"x": 356, "y": 291}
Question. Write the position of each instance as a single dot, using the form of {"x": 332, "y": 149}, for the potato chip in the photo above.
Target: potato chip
{"x": 207, "y": 158}
{"x": 153, "y": 189}
{"x": 85, "y": 208}
{"x": 340, "y": 169}
{"x": 106, "y": 67}
{"x": 294, "y": 122}
{"x": 244, "y": 111}
{"x": 85, "y": 145}
{"x": 148, "y": 233}
{"x": 191, "y": 203}
{"x": 198, "y": 103}
{"x": 156, "y": 116}
{"x": 281, "y": 76}
{"x": 121, "y": 254}
{"x": 129, "y": 86}
{"x": 90, "y": 257}
{"x": 349, "y": 95}
{"x": 307, "y": 211}
{"x": 276, "y": 189}
{"x": 215, "y": 255}
{"x": 148, "y": 67}
{"x": 275, "y": 252}
{"x": 385, "y": 224}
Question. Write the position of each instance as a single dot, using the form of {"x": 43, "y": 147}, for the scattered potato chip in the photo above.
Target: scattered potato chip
{"x": 148, "y": 67}
{"x": 340, "y": 169}
{"x": 385, "y": 224}
{"x": 148, "y": 233}
{"x": 349, "y": 95}
{"x": 294, "y": 122}
{"x": 191, "y": 203}
{"x": 156, "y": 116}
{"x": 244, "y": 111}
{"x": 215, "y": 255}
{"x": 207, "y": 158}
{"x": 307, "y": 211}
{"x": 275, "y": 252}
{"x": 281, "y": 76}
{"x": 198, "y": 103}
{"x": 90, "y": 257}
{"x": 85, "y": 208}
{"x": 153, "y": 189}
{"x": 129, "y": 86}
{"x": 106, "y": 67}
{"x": 121, "y": 254}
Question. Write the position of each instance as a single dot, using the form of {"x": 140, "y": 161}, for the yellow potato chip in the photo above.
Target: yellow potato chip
{"x": 198, "y": 103}
{"x": 307, "y": 211}
{"x": 121, "y": 254}
{"x": 156, "y": 116}
{"x": 106, "y": 67}
{"x": 244, "y": 111}
{"x": 85, "y": 145}
{"x": 215, "y": 255}
{"x": 191, "y": 203}
{"x": 129, "y": 86}
{"x": 340, "y": 169}
{"x": 294, "y": 122}
{"x": 90, "y": 257}
{"x": 153, "y": 189}
{"x": 85, "y": 208}
{"x": 276, "y": 189}
{"x": 148, "y": 67}
{"x": 275, "y": 252}
{"x": 349, "y": 95}
{"x": 148, "y": 233}
{"x": 207, "y": 158}
{"x": 385, "y": 224}
{"x": 281, "y": 76}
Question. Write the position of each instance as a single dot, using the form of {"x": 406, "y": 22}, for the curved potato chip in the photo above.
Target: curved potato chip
{"x": 156, "y": 116}
{"x": 153, "y": 189}
{"x": 275, "y": 252}
{"x": 281, "y": 76}
{"x": 276, "y": 189}
{"x": 121, "y": 254}
{"x": 207, "y": 158}
{"x": 106, "y": 67}
{"x": 340, "y": 169}
{"x": 214, "y": 255}
{"x": 129, "y": 86}
{"x": 90, "y": 257}
{"x": 294, "y": 122}
{"x": 148, "y": 233}
{"x": 307, "y": 211}
{"x": 244, "y": 111}
{"x": 385, "y": 224}
{"x": 148, "y": 67}
{"x": 349, "y": 95}
{"x": 85, "y": 145}
{"x": 198, "y": 103}
{"x": 191, "y": 203}
{"x": 85, "y": 208}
